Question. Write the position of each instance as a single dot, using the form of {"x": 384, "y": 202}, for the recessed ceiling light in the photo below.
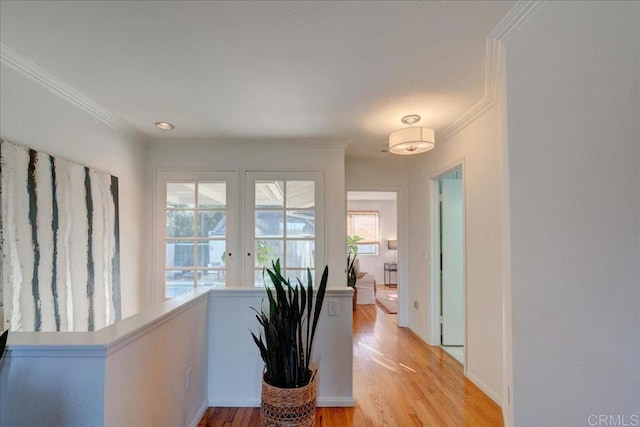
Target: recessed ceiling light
{"x": 164, "y": 125}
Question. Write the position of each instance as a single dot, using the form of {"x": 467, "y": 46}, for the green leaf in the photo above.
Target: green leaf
{"x": 316, "y": 316}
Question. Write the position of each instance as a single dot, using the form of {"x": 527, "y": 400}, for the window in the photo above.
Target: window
{"x": 197, "y": 226}
{"x": 365, "y": 226}
{"x": 285, "y": 221}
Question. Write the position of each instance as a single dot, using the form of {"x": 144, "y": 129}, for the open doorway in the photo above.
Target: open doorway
{"x": 372, "y": 230}
{"x": 450, "y": 265}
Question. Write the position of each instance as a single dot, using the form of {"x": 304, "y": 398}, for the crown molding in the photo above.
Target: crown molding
{"x": 495, "y": 46}
{"x": 250, "y": 142}
{"x": 21, "y": 64}
{"x": 515, "y": 19}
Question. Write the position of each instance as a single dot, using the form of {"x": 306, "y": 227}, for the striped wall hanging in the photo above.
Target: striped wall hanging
{"x": 59, "y": 239}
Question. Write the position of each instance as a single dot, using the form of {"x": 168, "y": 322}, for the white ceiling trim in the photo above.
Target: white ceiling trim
{"x": 21, "y": 64}
{"x": 494, "y": 52}
{"x": 252, "y": 143}
{"x": 514, "y": 20}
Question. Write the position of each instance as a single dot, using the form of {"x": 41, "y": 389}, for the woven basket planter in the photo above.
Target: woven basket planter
{"x": 292, "y": 407}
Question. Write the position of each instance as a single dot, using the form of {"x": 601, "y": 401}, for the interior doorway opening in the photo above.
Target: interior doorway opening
{"x": 372, "y": 229}
{"x": 450, "y": 273}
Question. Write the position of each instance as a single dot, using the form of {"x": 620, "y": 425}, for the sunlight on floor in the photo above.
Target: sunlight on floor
{"x": 379, "y": 358}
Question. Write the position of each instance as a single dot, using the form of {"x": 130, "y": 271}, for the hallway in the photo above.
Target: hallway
{"x": 398, "y": 381}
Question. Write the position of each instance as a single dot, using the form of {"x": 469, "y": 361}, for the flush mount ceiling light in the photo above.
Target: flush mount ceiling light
{"x": 164, "y": 125}
{"x": 411, "y": 140}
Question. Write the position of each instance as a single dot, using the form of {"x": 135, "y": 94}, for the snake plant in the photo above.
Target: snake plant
{"x": 286, "y": 347}
{"x": 3, "y": 342}
{"x": 352, "y": 275}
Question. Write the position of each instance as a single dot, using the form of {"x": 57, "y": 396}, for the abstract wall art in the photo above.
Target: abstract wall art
{"x": 59, "y": 239}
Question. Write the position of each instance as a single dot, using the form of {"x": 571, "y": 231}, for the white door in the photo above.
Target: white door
{"x": 451, "y": 222}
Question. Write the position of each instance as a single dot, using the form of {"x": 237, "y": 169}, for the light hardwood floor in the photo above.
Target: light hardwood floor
{"x": 398, "y": 381}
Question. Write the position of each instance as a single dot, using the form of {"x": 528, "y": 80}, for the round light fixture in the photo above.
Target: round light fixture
{"x": 411, "y": 140}
{"x": 164, "y": 125}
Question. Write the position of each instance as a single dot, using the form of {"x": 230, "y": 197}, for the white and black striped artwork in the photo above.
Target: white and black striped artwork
{"x": 59, "y": 243}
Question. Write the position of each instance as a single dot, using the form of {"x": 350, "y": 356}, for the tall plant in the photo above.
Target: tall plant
{"x": 352, "y": 274}
{"x": 3, "y": 342}
{"x": 286, "y": 348}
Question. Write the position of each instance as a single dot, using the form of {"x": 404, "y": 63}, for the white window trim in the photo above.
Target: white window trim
{"x": 159, "y": 252}
{"x": 250, "y": 178}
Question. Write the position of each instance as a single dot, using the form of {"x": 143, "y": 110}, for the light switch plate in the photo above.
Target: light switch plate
{"x": 333, "y": 307}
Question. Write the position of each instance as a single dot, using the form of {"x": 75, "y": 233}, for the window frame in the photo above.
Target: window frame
{"x": 160, "y": 237}
{"x": 251, "y": 176}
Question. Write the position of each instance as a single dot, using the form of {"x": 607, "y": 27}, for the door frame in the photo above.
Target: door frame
{"x": 434, "y": 265}
{"x": 402, "y": 218}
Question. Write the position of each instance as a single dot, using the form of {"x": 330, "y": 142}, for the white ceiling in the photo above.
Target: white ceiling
{"x": 293, "y": 70}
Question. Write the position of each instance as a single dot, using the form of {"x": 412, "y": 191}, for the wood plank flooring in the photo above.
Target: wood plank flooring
{"x": 398, "y": 381}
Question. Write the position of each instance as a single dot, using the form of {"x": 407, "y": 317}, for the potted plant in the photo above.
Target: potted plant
{"x": 289, "y": 326}
{"x": 3, "y": 342}
{"x": 352, "y": 276}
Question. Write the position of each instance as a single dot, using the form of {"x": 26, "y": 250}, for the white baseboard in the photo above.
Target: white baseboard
{"x": 235, "y": 403}
{"x": 336, "y": 402}
{"x": 196, "y": 421}
{"x": 329, "y": 401}
{"x": 485, "y": 388}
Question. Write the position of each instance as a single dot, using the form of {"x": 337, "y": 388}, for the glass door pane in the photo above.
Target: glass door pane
{"x": 196, "y": 231}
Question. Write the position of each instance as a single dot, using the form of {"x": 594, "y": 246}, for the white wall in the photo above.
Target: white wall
{"x": 377, "y": 176}
{"x": 131, "y": 373}
{"x": 477, "y": 145}
{"x": 573, "y": 155}
{"x": 33, "y": 116}
{"x": 64, "y": 390}
{"x": 235, "y": 366}
{"x": 145, "y": 380}
{"x": 387, "y": 226}
{"x": 327, "y": 158}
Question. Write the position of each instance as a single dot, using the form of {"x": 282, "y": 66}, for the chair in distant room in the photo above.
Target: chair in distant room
{"x": 366, "y": 285}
